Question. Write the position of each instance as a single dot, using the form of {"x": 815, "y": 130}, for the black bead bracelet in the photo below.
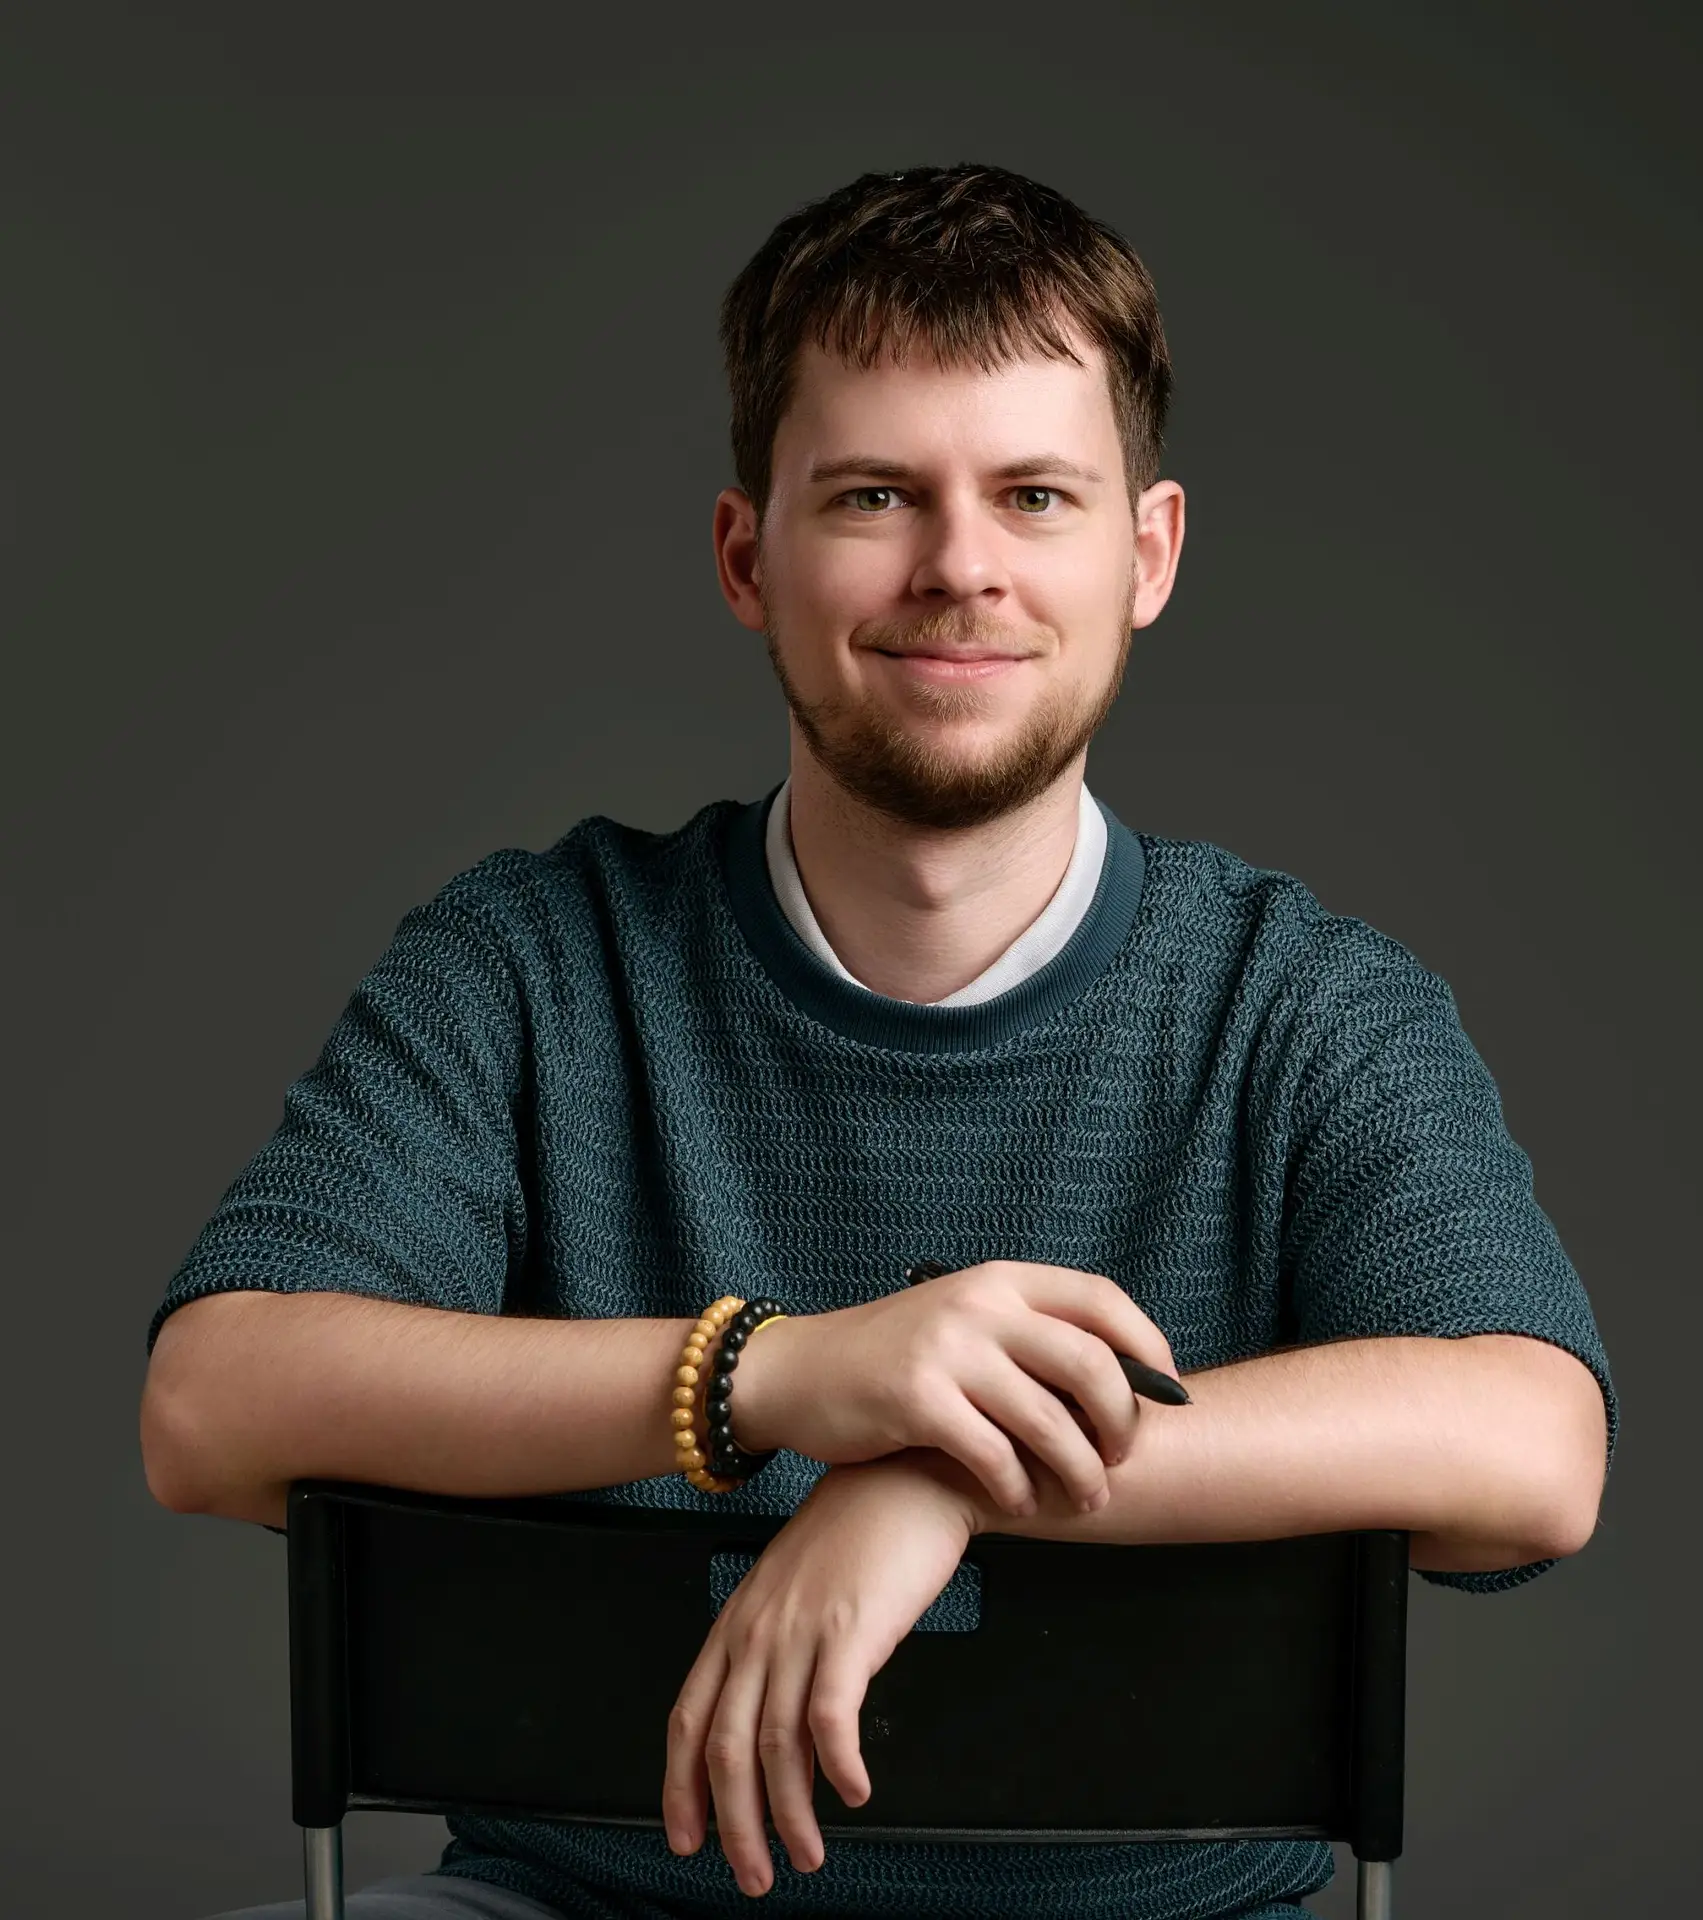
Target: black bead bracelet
{"x": 728, "y": 1460}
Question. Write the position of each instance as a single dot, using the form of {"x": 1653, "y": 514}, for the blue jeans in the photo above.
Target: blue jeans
{"x": 415, "y": 1896}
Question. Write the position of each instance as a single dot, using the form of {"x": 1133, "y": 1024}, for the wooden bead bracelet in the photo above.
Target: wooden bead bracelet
{"x": 716, "y": 1463}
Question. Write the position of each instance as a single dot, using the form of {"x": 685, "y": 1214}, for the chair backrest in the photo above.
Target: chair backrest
{"x": 453, "y": 1655}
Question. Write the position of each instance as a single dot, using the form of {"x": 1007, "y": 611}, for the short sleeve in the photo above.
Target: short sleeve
{"x": 1408, "y": 1207}
{"x": 393, "y": 1172}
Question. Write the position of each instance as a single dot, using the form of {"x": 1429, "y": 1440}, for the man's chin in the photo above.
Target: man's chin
{"x": 941, "y": 800}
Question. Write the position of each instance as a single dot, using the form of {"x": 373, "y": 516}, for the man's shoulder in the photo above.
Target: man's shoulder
{"x": 1208, "y": 900}
{"x": 1203, "y": 893}
{"x": 600, "y": 868}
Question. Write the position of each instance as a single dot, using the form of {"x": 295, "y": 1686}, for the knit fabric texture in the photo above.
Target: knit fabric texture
{"x": 609, "y": 1079}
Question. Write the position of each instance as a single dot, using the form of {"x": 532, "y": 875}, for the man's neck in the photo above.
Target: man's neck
{"x": 915, "y": 913}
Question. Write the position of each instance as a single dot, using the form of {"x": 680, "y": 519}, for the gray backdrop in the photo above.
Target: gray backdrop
{"x": 363, "y": 423}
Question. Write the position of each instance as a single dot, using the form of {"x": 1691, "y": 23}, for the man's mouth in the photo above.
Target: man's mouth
{"x": 929, "y": 653}
{"x": 954, "y": 666}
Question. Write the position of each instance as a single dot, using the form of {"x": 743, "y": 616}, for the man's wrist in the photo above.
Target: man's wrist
{"x": 981, "y": 1514}
{"x": 759, "y": 1388}
{"x": 920, "y": 1475}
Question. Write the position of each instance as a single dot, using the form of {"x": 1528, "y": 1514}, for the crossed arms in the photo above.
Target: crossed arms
{"x": 1489, "y": 1449}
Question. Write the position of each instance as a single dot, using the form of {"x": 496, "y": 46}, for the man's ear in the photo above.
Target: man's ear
{"x": 738, "y": 557}
{"x": 1158, "y": 547}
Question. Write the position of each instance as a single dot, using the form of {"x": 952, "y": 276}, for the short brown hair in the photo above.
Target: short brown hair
{"x": 972, "y": 262}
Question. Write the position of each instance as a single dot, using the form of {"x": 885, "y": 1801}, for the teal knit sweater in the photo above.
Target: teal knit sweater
{"x": 610, "y": 1080}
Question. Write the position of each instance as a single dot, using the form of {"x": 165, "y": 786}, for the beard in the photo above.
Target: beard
{"x": 869, "y": 751}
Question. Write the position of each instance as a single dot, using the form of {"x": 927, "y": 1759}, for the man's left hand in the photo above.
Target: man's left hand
{"x": 789, "y": 1658}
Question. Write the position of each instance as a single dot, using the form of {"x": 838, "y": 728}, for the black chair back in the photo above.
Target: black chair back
{"x": 519, "y": 1658}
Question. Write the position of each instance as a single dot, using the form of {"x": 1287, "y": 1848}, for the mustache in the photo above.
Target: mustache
{"x": 950, "y": 628}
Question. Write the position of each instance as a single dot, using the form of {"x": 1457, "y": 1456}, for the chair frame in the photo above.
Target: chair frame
{"x": 1332, "y": 1607}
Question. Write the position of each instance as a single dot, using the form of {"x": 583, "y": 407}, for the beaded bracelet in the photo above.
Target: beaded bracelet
{"x": 717, "y": 1463}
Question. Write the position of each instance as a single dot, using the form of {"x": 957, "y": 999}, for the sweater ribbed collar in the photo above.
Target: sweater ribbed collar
{"x": 904, "y": 1026}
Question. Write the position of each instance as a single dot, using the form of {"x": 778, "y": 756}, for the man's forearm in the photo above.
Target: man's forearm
{"x": 1482, "y": 1448}
{"x": 247, "y": 1392}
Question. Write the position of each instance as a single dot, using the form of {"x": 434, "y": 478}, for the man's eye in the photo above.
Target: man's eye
{"x": 874, "y": 501}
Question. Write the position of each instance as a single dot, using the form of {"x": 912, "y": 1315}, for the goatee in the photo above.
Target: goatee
{"x": 867, "y": 750}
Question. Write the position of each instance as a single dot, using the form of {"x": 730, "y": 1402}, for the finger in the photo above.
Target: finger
{"x": 685, "y": 1780}
{"x": 1068, "y": 1361}
{"x": 787, "y": 1750}
{"x": 1022, "y": 1407}
{"x": 1098, "y": 1306}
{"x": 980, "y": 1444}
{"x": 836, "y": 1694}
{"x": 736, "y": 1782}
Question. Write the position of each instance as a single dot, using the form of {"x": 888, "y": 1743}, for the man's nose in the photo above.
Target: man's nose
{"x": 962, "y": 552}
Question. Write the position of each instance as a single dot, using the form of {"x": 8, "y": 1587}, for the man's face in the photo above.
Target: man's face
{"x": 921, "y": 507}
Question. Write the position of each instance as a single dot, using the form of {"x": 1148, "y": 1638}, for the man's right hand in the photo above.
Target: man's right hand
{"x": 968, "y": 1363}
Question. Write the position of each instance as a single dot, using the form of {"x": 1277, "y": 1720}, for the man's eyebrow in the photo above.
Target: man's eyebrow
{"x": 872, "y": 466}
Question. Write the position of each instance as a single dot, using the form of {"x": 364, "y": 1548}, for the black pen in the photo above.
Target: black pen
{"x": 1148, "y": 1382}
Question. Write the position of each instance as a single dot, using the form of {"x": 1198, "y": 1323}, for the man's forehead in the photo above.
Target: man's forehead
{"x": 828, "y": 389}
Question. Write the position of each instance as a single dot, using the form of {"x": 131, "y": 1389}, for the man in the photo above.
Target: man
{"x": 927, "y": 999}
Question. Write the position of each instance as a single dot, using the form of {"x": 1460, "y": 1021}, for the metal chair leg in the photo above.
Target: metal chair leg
{"x": 322, "y": 1871}
{"x": 1375, "y": 1895}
